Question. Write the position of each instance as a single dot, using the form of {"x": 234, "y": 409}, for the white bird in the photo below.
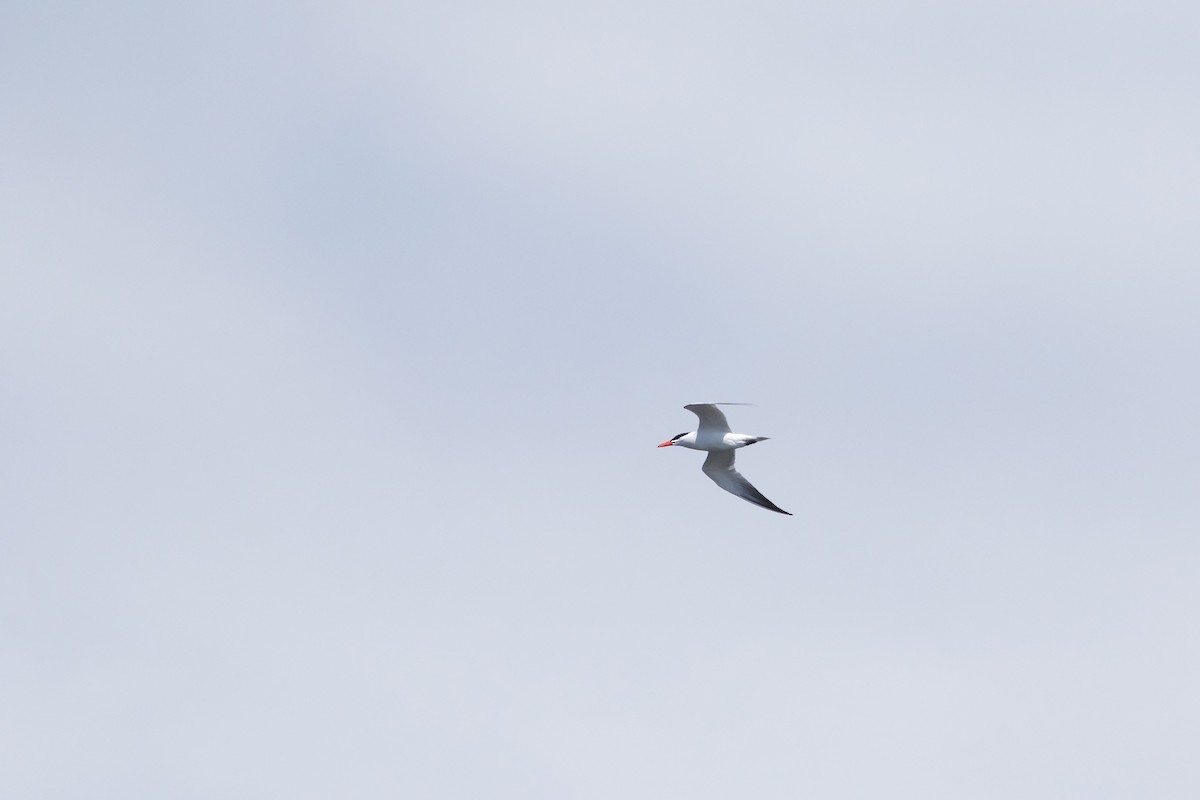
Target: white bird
{"x": 715, "y": 438}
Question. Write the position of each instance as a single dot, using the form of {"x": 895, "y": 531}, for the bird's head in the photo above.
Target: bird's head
{"x": 680, "y": 438}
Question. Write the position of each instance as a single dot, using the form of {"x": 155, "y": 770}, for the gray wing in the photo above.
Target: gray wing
{"x": 711, "y": 418}
{"x": 719, "y": 467}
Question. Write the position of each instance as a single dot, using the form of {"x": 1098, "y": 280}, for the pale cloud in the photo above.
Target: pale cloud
{"x": 339, "y": 340}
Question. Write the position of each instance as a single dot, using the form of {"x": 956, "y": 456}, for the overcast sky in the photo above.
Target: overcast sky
{"x": 335, "y": 341}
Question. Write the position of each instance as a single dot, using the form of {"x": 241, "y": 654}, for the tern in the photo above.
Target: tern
{"x": 715, "y": 438}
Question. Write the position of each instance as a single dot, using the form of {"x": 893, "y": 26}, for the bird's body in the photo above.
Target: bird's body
{"x": 727, "y": 441}
{"x": 714, "y": 437}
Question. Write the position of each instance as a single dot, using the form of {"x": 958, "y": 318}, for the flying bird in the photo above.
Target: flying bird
{"x": 715, "y": 437}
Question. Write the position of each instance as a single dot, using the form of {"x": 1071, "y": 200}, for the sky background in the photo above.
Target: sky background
{"x": 335, "y": 341}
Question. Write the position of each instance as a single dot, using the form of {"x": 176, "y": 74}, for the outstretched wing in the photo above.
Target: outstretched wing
{"x": 719, "y": 467}
{"x": 711, "y": 418}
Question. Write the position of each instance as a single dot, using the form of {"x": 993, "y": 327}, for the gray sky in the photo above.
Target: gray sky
{"x": 337, "y": 339}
